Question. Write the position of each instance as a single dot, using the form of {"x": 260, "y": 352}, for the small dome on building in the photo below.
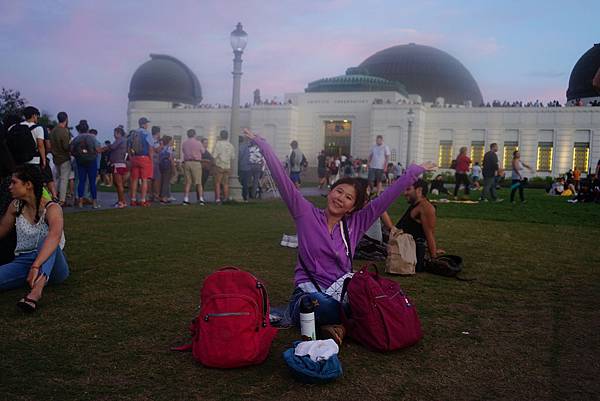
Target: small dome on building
{"x": 165, "y": 78}
{"x": 355, "y": 80}
{"x": 426, "y": 71}
{"x": 580, "y": 82}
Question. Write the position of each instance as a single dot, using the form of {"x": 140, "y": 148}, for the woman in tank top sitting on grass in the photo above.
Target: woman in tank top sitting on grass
{"x": 39, "y": 258}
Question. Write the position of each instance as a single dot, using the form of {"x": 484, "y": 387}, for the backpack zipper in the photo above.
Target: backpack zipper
{"x": 224, "y": 314}
{"x": 240, "y": 296}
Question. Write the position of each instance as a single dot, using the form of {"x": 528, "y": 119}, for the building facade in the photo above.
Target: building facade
{"x": 343, "y": 115}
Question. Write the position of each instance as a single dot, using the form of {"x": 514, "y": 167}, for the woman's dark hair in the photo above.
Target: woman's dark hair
{"x": 515, "y": 153}
{"x": 31, "y": 173}
{"x": 166, "y": 140}
{"x": 120, "y": 131}
{"x": 360, "y": 186}
{"x": 82, "y": 126}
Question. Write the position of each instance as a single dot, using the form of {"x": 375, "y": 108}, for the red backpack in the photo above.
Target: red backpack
{"x": 233, "y": 327}
{"x": 382, "y": 317}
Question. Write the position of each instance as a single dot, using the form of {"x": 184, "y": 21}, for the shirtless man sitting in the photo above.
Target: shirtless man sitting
{"x": 419, "y": 221}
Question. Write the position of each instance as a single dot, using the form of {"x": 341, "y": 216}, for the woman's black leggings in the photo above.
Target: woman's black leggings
{"x": 516, "y": 184}
{"x": 461, "y": 178}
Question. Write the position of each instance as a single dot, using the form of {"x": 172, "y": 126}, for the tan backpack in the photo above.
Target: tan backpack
{"x": 402, "y": 253}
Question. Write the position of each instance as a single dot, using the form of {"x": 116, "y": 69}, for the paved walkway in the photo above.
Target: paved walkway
{"x": 107, "y": 199}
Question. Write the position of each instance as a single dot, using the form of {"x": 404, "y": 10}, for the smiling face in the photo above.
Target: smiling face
{"x": 341, "y": 200}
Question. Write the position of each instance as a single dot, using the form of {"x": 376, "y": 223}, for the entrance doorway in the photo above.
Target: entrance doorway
{"x": 338, "y": 136}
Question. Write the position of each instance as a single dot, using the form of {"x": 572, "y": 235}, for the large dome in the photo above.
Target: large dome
{"x": 580, "y": 82}
{"x": 425, "y": 71}
{"x": 164, "y": 78}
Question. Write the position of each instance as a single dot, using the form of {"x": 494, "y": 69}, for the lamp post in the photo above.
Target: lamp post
{"x": 410, "y": 117}
{"x": 238, "y": 39}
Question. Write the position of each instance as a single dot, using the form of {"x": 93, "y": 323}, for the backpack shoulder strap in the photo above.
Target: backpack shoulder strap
{"x": 346, "y": 238}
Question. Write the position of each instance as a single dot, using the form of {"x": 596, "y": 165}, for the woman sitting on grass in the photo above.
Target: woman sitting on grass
{"x": 39, "y": 225}
{"x": 324, "y": 252}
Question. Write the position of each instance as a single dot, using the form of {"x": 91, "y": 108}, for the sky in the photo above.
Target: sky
{"x": 78, "y": 56}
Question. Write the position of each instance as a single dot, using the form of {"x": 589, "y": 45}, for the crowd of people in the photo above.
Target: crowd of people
{"x": 39, "y": 166}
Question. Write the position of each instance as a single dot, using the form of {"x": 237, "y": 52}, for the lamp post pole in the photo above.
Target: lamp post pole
{"x": 238, "y": 43}
{"x": 410, "y": 118}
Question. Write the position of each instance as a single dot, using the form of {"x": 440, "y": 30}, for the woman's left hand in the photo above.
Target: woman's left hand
{"x": 34, "y": 271}
{"x": 429, "y": 166}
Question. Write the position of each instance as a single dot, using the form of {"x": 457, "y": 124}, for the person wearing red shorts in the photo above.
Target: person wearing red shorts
{"x": 141, "y": 151}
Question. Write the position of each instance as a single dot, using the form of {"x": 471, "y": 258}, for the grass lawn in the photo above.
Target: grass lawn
{"x": 531, "y": 317}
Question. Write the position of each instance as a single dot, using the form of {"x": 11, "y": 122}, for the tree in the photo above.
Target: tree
{"x": 11, "y": 103}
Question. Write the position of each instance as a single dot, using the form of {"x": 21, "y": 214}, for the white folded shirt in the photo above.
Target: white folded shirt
{"x": 317, "y": 350}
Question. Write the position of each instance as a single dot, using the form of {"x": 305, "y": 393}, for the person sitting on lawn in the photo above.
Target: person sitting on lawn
{"x": 324, "y": 251}
{"x": 419, "y": 221}
{"x": 39, "y": 258}
{"x": 437, "y": 186}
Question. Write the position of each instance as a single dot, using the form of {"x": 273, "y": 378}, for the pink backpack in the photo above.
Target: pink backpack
{"x": 233, "y": 327}
{"x": 382, "y": 317}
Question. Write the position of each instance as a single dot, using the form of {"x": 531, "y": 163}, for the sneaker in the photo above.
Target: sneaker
{"x": 145, "y": 204}
{"x": 483, "y": 200}
{"x": 499, "y": 200}
{"x": 200, "y": 202}
{"x": 285, "y": 240}
{"x": 96, "y": 206}
{"x": 134, "y": 203}
{"x": 172, "y": 199}
{"x": 185, "y": 203}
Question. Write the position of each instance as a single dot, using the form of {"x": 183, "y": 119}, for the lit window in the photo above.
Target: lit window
{"x": 544, "y": 156}
{"x": 509, "y": 149}
{"x": 477, "y": 151}
{"x": 445, "y": 155}
{"x": 581, "y": 155}
{"x": 177, "y": 146}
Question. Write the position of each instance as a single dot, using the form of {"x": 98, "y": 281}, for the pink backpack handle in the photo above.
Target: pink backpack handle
{"x": 224, "y": 268}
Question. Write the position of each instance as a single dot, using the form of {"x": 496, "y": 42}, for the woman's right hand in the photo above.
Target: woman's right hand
{"x": 249, "y": 134}
{"x": 429, "y": 166}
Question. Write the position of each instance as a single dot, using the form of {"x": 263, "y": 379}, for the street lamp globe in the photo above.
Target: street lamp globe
{"x": 238, "y": 38}
{"x": 411, "y": 115}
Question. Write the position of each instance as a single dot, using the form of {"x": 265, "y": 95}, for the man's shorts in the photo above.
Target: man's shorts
{"x": 119, "y": 168}
{"x": 322, "y": 172}
{"x": 141, "y": 167}
{"x": 192, "y": 169}
{"x": 375, "y": 175}
{"x": 222, "y": 174}
{"x": 295, "y": 177}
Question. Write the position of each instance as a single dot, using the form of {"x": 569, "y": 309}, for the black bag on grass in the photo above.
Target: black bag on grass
{"x": 445, "y": 265}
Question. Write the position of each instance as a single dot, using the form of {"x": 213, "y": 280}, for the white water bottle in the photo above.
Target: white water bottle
{"x": 308, "y": 329}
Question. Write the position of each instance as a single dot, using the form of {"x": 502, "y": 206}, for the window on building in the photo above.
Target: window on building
{"x": 581, "y": 155}
{"x": 445, "y": 155}
{"x": 477, "y": 151}
{"x": 544, "y": 156}
{"x": 509, "y": 148}
{"x": 177, "y": 146}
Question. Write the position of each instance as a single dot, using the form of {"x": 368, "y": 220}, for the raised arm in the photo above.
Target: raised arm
{"x": 289, "y": 193}
{"x": 367, "y": 215}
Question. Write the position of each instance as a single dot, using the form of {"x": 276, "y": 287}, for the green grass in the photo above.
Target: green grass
{"x": 532, "y": 314}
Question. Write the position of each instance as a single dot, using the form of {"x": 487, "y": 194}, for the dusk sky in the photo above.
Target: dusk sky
{"x": 79, "y": 56}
